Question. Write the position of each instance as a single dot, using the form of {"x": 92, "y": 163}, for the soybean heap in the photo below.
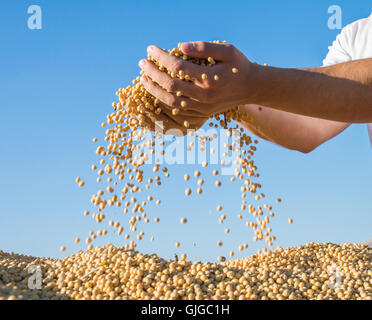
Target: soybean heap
{"x": 312, "y": 271}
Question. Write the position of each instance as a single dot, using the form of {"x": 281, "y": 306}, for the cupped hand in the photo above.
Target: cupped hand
{"x": 212, "y": 89}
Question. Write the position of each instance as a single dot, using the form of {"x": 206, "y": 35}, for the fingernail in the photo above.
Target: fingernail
{"x": 142, "y": 63}
{"x": 143, "y": 79}
{"x": 150, "y": 48}
{"x": 187, "y": 47}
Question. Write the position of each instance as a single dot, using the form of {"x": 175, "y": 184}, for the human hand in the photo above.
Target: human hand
{"x": 212, "y": 89}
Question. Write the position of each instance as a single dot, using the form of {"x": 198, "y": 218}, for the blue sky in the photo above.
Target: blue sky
{"x": 57, "y": 85}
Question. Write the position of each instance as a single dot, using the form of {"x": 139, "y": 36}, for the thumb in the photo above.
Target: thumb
{"x": 202, "y": 49}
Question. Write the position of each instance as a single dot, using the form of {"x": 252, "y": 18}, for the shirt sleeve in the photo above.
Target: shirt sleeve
{"x": 340, "y": 50}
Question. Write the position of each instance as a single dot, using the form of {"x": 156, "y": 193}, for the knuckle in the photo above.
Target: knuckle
{"x": 233, "y": 51}
{"x": 171, "y": 101}
{"x": 149, "y": 86}
{"x": 177, "y": 65}
{"x": 171, "y": 85}
{"x": 200, "y": 45}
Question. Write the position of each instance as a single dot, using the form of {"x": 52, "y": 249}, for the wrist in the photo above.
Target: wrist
{"x": 256, "y": 83}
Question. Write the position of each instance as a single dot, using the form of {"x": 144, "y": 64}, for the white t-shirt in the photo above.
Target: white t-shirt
{"x": 353, "y": 43}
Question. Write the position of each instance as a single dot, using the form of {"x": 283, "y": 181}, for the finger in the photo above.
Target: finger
{"x": 181, "y": 115}
{"x": 163, "y": 124}
{"x": 161, "y": 121}
{"x": 174, "y": 85}
{"x": 191, "y": 123}
{"x": 163, "y": 117}
{"x": 171, "y": 100}
{"x": 201, "y": 49}
{"x": 175, "y": 111}
{"x": 181, "y": 118}
{"x": 175, "y": 64}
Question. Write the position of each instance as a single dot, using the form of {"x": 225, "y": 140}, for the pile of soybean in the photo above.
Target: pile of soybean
{"x": 313, "y": 271}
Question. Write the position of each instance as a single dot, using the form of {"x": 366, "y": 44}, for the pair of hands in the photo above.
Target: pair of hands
{"x": 203, "y": 97}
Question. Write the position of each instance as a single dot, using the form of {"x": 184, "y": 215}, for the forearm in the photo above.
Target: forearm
{"x": 290, "y": 130}
{"x": 358, "y": 70}
{"x": 342, "y": 92}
